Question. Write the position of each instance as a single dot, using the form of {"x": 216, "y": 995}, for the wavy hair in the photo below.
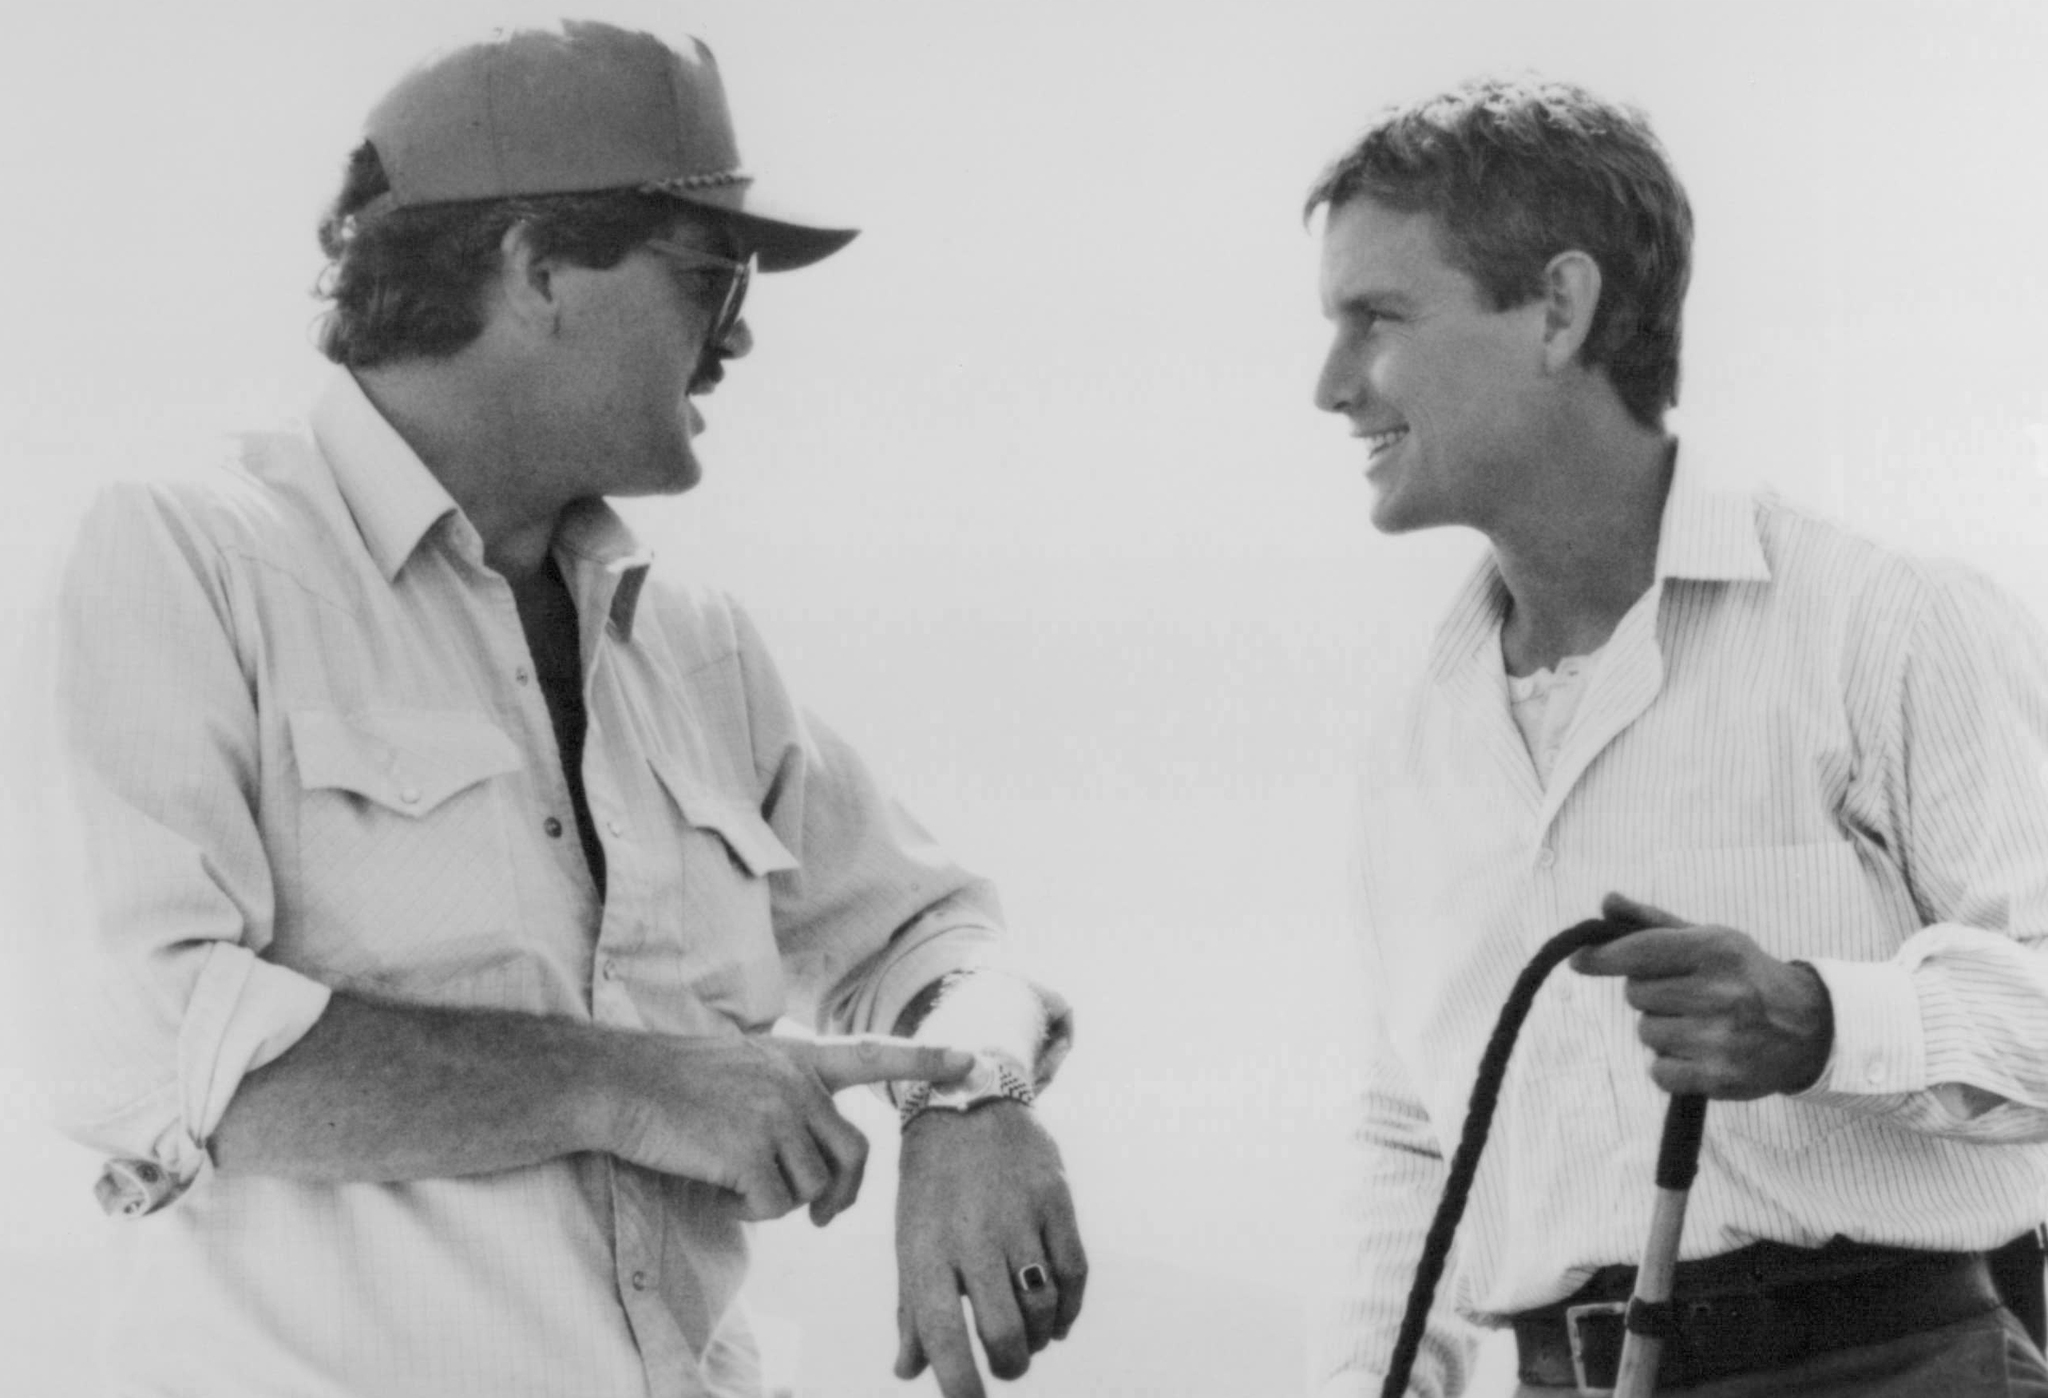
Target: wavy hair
{"x": 1516, "y": 171}
{"x": 408, "y": 283}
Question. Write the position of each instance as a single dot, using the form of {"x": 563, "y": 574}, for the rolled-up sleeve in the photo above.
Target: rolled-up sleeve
{"x": 175, "y": 1001}
{"x": 1947, "y": 1037}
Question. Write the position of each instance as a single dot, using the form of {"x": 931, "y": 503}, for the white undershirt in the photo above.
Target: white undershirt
{"x": 1544, "y": 704}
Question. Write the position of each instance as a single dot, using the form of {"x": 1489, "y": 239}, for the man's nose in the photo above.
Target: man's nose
{"x": 738, "y": 341}
{"x": 1336, "y": 385}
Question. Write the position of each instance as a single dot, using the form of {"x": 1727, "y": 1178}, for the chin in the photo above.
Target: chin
{"x": 672, "y": 473}
{"x": 1390, "y": 517}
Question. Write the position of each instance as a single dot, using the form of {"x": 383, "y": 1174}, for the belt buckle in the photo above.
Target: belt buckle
{"x": 1572, "y": 1316}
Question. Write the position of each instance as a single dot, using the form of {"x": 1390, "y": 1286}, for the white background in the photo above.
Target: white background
{"x": 1026, "y": 491}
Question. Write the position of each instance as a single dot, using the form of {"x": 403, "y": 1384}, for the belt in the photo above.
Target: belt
{"x": 1763, "y": 1307}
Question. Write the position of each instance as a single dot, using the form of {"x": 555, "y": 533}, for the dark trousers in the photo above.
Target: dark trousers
{"x": 1988, "y": 1356}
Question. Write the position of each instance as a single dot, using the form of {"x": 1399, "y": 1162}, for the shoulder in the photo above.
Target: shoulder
{"x": 1888, "y": 598}
{"x": 700, "y": 625}
{"x": 1810, "y": 552}
{"x": 1825, "y": 567}
{"x": 267, "y": 497}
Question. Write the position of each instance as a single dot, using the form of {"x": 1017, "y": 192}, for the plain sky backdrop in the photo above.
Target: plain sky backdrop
{"x": 1026, "y": 491}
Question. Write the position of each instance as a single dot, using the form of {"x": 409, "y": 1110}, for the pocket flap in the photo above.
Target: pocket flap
{"x": 406, "y": 760}
{"x": 753, "y": 842}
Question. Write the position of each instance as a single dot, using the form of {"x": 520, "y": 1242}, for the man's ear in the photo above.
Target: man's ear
{"x": 1571, "y": 294}
{"x": 527, "y": 283}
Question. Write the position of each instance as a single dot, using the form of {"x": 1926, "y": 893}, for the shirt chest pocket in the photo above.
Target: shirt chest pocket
{"x": 724, "y": 929}
{"x": 404, "y": 856}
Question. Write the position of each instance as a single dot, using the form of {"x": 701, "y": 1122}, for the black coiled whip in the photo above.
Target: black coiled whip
{"x": 1677, "y": 1160}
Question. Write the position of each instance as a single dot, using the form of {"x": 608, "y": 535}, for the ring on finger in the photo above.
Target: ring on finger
{"x": 1032, "y": 1278}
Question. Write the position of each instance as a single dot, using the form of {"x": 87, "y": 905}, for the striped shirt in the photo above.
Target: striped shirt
{"x": 311, "y": 753}
{"x": 1839, "y": 750}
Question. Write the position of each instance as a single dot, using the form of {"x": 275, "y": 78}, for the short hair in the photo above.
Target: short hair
{"x": 408, "y": 283}
{"x": 1516, "y": 171}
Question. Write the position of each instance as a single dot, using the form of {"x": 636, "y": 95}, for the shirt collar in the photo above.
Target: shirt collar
{"x": 396, "y": 500}
{"x": 591, "y": 535}
{"x": 1709, "y": 535}
{"x": 394, "y": 497}
{"x": 1704, "y": 535}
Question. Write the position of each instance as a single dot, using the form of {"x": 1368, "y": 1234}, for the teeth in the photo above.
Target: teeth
{"x": 1377, "y": 442}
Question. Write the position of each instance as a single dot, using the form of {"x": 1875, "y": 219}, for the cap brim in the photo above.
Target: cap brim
{"x": 781, "y": 243}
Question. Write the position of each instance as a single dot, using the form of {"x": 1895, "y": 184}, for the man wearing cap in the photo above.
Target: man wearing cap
{"x": 451, "y": 866}
{"x": 1804, "y": 771}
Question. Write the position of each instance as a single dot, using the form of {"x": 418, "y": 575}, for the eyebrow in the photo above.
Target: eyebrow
{"x": 1376, "y": 302}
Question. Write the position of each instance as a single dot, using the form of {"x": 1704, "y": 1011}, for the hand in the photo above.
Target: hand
{"x": 754, "y": 1114}
{"x": 1724, "y": 1017}
{"x": 983, "y": 1196}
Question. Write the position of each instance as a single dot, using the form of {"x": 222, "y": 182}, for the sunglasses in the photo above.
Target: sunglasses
{"x": 738, "y": 276}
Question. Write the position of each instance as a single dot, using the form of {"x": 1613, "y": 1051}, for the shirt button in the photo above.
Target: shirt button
{"x": 639, "y": 1281}
{"x": 616, "y": 827}
{"x": 611, "y": 969}
{"x": 1546, "y": 856}
{"x": 1875, "y": 1073}
{"x": 522, "y": 674}
{"x": 410, "y": 795}
{"x": 553, "y": 827}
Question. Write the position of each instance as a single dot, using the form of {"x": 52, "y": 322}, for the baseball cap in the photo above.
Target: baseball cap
{"x": 579, "y": 107}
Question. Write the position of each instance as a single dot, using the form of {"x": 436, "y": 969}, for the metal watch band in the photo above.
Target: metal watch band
{"x": 993, "y": 1077}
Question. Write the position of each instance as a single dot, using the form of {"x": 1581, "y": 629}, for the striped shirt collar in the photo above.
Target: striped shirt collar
{"x": 395, "y": 500}
{"x": 1706, "y": 535}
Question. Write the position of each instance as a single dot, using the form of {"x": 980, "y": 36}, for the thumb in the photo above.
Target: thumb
{"x": 1625, "y": 911}
{"x": 869, "y": 1058}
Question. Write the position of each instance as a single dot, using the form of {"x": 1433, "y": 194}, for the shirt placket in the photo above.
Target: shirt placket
{"x": 612, "y": 777}
{"x": 512, "y": 659}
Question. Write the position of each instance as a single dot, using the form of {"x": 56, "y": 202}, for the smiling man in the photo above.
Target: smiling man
{"x": 452, "y": 866}
{"x": 1825, "y": 760}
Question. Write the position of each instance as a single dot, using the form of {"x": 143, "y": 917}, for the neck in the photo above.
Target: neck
{"x": 464, "y": 425}
{"x": 1577, "y": 560}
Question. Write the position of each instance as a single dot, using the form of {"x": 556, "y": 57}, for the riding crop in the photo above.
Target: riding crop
{"x": 1650, "y": 1318}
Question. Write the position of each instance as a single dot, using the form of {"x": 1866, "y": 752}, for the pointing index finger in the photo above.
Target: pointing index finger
{"x": 850, "y": 1060}
{"x": 1649, "y": 954}
{"x": 1627, "y": 912}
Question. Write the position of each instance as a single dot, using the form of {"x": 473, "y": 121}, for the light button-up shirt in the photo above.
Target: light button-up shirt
{"x": 309, "y": 758}
{"x": 1833, "y": 748}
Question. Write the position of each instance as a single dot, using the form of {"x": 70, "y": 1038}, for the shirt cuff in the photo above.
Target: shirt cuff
{"x": 243, "y": 1013}
{"x": 1880, "y": 1047}
{"x": 996, "y": 1010}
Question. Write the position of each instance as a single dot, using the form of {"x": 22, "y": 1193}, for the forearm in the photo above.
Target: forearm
{"x": 380, "y": 1092}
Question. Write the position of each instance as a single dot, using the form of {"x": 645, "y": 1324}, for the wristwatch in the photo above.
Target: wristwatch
{"x": 994, "y": 1076}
